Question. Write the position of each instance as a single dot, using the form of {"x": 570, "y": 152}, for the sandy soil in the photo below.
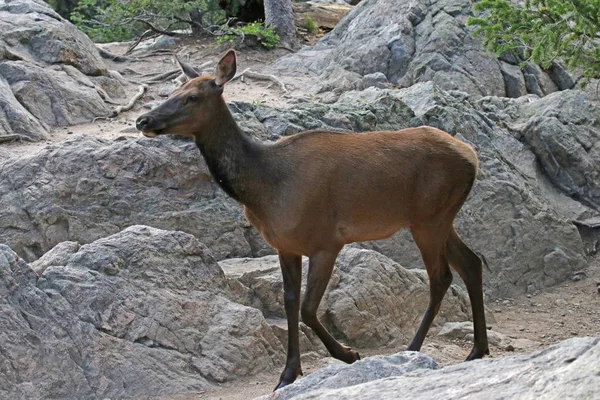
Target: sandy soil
{"x": 567, "y": 310}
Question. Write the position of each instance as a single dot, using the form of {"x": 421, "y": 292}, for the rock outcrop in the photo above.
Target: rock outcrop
{"x": 568, "y": 370}
{"x": 143, "y": 312}
{"x": 50, "y": 72}
{"x": 86, "y": 188}
{"x": 415, "y": 41}
{"x": 371, "y": 301}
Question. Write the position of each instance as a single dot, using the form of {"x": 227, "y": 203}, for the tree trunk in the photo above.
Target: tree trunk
{"x": 279, "y": 14}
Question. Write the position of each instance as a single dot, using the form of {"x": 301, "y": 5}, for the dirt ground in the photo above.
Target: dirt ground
{"x": 567, "y": 310}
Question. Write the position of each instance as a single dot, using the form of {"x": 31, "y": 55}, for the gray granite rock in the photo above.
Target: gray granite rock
{"x": 144, "y": 312}
{"x": 50, "y": 73}
{"x": 568, "y": 370}
{"x": 371, "y": 301}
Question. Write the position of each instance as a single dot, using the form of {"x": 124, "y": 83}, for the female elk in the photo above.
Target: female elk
{"x": 313, "y": 192}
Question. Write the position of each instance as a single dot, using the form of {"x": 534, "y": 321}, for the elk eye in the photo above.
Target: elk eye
{"x": 192, "y": 97}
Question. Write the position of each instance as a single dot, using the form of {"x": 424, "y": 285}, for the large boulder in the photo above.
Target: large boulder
{"x": 414, "y": 41}
{"x": 370, "y": 301}
{"x": 563, "y": 131}
{"x": 50, "y": 73}
{"x": 568, "y": 370}
{"x": 141, "y": 313}
{"x": 86, "y": 188}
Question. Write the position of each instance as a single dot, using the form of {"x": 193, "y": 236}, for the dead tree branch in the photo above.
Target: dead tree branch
{"x": 13, "y": 137}
{"x": 141, "y": 90}
{"x": 263, "y": 77}
{"x": 155, "y": 29}
{"x": 143, "y": 36}
{"x": 114, "y": 57}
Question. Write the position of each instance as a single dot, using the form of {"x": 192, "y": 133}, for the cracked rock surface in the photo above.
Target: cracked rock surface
{"x": 143, "y": 312}
{"x": 50, "y": 72}
{"x": 567, "y": 370}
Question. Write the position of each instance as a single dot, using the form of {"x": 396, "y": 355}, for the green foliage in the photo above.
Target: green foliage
{"x": 310, "y": 25}
{"x": 543, "y": 31}
{"x": 265, "y": 35}
{"x": 117, "y": 20}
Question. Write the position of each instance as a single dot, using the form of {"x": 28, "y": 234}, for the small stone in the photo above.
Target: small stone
{"x": 561, "y": 302}
{"x": 510, "y": 347}
{"x": 69, "y": 132}
{"x": 578, "y": 275}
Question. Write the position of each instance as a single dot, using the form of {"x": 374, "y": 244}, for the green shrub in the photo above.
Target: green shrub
{"x": 310, "y": 25}
{"x": 266, "y": 36}
{"x": 543, "y": 31}
{"x": 118, "y": 20}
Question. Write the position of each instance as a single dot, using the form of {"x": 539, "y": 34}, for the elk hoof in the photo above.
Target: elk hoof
{"x": 352, "y": 356}
{"x": 288, "y": 376}
{"x": 478, "y": 352}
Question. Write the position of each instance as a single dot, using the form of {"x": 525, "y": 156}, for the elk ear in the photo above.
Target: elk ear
{"x": 226, "y": 68}
{"x": 187, "y": 69}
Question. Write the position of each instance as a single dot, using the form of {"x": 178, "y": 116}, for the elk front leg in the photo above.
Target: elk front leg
{"x": 291, "y": 269}
{"x": 319, "y": 271}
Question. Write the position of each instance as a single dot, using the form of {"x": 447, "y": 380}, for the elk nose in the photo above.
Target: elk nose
{"x": 142, "y": 123}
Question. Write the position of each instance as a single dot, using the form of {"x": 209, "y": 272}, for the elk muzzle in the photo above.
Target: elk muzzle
{"x": 148, "y": 126}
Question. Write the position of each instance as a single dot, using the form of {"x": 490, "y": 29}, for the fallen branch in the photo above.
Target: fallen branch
{"x": 156, "y": 52}
{"x": 163, "y": 77}
{"x": 138, "y": 41}
{"x": 263, "y": 77}
{"x": 114, "y": 57}
{"x": 155, "y": 29}
{"x": 141, "y": 90}
{"x": 13, "y": 137}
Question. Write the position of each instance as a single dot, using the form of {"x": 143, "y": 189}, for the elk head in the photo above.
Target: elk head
{"x": 194, "y": 108}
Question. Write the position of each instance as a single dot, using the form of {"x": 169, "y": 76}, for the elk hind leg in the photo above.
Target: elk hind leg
{"x": 468, "y": 266}
{"x": 320, "y": 267}
{"x": 431, "y": 241}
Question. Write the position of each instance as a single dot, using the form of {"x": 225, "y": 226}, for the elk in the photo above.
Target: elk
{"x": 311, "y": 193}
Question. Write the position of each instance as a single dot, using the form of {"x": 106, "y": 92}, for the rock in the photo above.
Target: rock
{"x": 370, "y": 302}
{"x": 566, "y": 370}
{"x": 325, "y": 14}
{"x": 563, "y": 131}
{"x": 58, "y": 255}
{"x": 456, "y": 330}
{"x": 144, "y": 312}
{"x": 537, "y": 81}
{"x": 309, "y": 341}
{"x": 50, "y": 73}
{"x": 16, "y": 119}
{"x": 377, "y": 79}
{"x": 464, "y": 331}
{"x": 410, "y": 42}
{"x": 578, "y": 275}
{"x": 367, "y": 370}
{"x": 514, "y": 82}
{"x": 86, "y": 188}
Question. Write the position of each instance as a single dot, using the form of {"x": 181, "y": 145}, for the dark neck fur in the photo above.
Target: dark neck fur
{"x": 233, "y": 158}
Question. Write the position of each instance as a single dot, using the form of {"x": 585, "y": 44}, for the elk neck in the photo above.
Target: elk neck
{"x": 236, "y": 161}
